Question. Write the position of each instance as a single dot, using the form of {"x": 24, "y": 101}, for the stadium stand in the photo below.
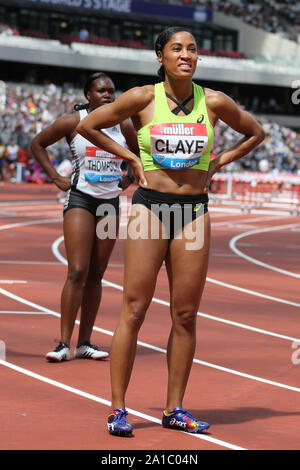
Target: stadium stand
{"x": 258, "y": 82}
{"x": 29, "y": 108}
{"x": 280, "y": 17}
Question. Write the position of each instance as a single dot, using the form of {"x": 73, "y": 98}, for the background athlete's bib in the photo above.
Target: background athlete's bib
{"x": 101, "y": 166}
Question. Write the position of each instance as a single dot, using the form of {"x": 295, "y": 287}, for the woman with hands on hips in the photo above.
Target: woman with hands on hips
{"x": 174, "y": 121}
{"x": 96, "y": 180}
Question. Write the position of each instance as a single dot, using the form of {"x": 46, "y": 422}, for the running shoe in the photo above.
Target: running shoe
{"x": 61, "y": 353}
{"x": 183, "y": 420}
{"x": 117, "y": 423}
{"x": 89, "y": 351}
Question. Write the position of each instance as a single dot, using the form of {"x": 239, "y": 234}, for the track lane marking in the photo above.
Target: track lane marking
{"x": 105, "y": 402}
{"x": 63, "y": 260}
{"x": 157, "y": 349}
{"x": 233, "y": 247}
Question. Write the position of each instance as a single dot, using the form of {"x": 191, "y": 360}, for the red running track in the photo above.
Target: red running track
{"x": 245, "y": 379}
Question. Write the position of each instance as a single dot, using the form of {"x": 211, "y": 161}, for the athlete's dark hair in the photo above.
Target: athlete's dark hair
{"x": 87, "y": 87}
{"x": 162, "y": 40}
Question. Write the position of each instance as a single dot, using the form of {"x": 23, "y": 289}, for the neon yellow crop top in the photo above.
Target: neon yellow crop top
{"x": 176, "y": 142}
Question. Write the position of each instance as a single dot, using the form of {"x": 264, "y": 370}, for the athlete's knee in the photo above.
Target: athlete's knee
{"x": 77, "y": 275}
{"x": 185, "y": 318}
{"x": 96, "y": 273}
{"x": 134, "y": 313}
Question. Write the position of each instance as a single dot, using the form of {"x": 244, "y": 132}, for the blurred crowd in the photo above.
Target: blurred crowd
{"x": 268, "y": 16}
{"x": 274, "y": 16}
{"x": 6, "y": 30}
{"x": 278, "y": 153}
{"x": 27, "y": 109}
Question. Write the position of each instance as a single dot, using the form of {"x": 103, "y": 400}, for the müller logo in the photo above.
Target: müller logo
{"x": 190, "y": 129}
{"x": 179, "y": 129}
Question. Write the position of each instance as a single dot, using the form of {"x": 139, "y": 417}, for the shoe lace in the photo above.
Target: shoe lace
{"x": 60, "y": 347}
{"x": 121, "y": 416}
{"x": 187, "y": 413}
{"x": 93, "y": 346}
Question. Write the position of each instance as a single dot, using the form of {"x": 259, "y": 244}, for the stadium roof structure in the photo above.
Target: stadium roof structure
{"x": 140, "y": 62}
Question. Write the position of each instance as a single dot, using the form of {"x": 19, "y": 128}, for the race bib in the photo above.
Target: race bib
{"x": 178, "y": 146}
{"x": 101, "y": 166}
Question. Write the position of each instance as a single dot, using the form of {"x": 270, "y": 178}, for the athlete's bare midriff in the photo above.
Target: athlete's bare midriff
{"x": 184, "y": 182}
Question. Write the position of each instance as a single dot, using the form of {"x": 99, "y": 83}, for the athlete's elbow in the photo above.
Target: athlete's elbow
{"x": 257, "y": 137}
{"x": 260, "y": 135}
{"x": 32, "y": 145}
{"x": 80, "y": 128}
{"x": 35, "y": 145}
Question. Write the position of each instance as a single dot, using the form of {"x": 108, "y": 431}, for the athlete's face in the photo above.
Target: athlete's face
{"x": 179, "y": 56}
{"x": 102, "y": 92}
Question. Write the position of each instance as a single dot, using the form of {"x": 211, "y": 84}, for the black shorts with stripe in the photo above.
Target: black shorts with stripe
{"x": 97, "y": 207}
{"x": 173, "y": 210}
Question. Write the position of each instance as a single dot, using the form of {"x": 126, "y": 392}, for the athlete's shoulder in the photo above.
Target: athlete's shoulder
{"x": 63, "y": 126}
{"x": 135, "y": 100}
{"x": 141, "y": 93}
{"x": 70, "y": 121}
{"x": 216, "y": 100}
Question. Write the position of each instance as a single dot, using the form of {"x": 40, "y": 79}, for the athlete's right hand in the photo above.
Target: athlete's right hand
{"x": 62, "y": 182}
{"x": 138, "y": 171}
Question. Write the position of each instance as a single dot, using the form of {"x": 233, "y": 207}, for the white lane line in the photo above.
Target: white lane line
{"x": 234, "y": 240}
{"x": 252, "y": 292}
{"x": 155, "y": 348}
{"x": 56, "y": 263}
{"x": 242, "y": 223}
{"x": 223, "y": 320}
{"x": 89, "y": 396}
{"x": 50, "y": 202}
{"x": 20, "y": 312}
{"x": 63, "y": 260}
{"x": 247, "y": 220}
{"x": 40, "y": 206}
{"x": 250, "y": 244}
{"x": 32, "y": 222}
{"x": 8, "y": 281}
{"x": 28, "y": 214}
{"x": 248, "y": 327}
{"x": 2, "y": 351}
{"x": 52, "y": 263}
{"x": 57, "y": 253}
{"x": 233, "y": 210}
{"x": 224, "y": 255}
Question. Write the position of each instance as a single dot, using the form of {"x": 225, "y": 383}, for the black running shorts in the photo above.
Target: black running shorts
{"x": 75, "y": 198}
{"x": 175, "y": 211}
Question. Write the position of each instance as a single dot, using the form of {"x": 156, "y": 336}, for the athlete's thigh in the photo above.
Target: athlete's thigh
{"x": 187, "y": 263}
{"x": 79, "y": 234}
{"x": 145, "y": 251}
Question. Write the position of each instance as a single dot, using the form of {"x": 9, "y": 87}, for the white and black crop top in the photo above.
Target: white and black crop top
{"x": 95, "y": 171}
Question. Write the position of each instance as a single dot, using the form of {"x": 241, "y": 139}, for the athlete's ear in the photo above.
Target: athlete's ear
{"x": 159, "y": 56}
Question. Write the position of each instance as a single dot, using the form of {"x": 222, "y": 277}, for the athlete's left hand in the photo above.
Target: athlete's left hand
{"x": 138, "y": 171}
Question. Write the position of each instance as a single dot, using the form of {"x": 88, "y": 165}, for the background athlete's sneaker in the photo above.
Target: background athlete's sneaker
{"x": 183, "y": 420}
{"x": 117, "y": 423}
{"x": 61, "y": 353}
{"x": 89, "y": 351}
